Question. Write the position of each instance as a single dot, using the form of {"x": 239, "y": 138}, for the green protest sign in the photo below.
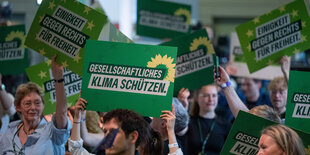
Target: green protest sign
{"x": 298, "y": 101}
{"x": 42, "y": 75}
{"x": 116, "y": 36}
{"x": 130, "y": 76}
{"x": 161, "y": 19}
{"x": 244, "y": 135}
{"x": 238, "y": 67}
{"x": 194, "y": 65}
{"x": 265, "y": 39}
{"x": 62, "y": 27}
{"x": 13, "y": 55}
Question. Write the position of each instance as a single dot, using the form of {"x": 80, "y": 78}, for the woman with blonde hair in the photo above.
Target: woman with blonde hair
{"x": 267, "y": 112}
{"x": 206, "y": 132}
{"x": 280, "y": 139}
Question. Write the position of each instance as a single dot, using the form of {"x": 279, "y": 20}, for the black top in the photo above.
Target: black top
{"x": 216, "y": 139}
{"x": 263, "y": 99}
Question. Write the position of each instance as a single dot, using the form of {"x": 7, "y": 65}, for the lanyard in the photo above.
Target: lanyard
{"x": 13, "y": 142}
{"x": 208, "y": 135}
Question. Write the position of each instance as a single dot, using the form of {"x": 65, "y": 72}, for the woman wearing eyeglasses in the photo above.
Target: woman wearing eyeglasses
{"x": 33, "y": 134}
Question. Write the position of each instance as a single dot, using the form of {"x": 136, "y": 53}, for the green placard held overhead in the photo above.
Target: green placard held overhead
{"x": 42, "y": 75}
{"x": 13, "y": 55}
{"x": 62, "y": 27}
{"x": 284, "y": 31}
{"x": 130, "y": 76}
{"x": 194, "y": 65}
{"x": 298, "y": 101}
{"x": 161, "y": 19}
{"x": 245, "y": 133}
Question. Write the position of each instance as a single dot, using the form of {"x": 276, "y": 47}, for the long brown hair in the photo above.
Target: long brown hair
{"x": 154, "y": 144}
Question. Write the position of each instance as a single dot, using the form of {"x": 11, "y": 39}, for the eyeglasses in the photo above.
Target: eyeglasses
{"x": 27, "y": 104}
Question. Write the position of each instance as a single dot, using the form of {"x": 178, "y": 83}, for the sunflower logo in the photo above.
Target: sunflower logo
{"x": 163, "y": 62}
{"x": 16, "y": 35}
{"x": 185, "y": 13}
{"x": 201, "y": 41}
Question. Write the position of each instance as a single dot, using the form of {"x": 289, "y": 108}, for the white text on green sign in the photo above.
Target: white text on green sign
{"x": 302, "y": 107}
{"x": 62, "y": 31}
{"x": 73, "y": 84}
{"x": 192, "y": 62}
{"x": 11, "y": 50}
{"x": 275, "y": 36}
{"x": 132, "y": 79}
{"x": 164, "y": 21}
{"x": 245, "y": 145}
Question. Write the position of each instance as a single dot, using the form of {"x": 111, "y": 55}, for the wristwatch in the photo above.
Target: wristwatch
{"x": 2, "y": 87}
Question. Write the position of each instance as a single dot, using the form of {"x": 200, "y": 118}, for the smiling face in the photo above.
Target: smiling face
{"x": 268, "y": 146}
{"x": 31, "y": 107}
{"x": 122, "y": 144}
{"x": 207, "y": 98}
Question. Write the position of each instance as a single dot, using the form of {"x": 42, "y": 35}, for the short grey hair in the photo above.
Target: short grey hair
{"x": 181, "y": 115}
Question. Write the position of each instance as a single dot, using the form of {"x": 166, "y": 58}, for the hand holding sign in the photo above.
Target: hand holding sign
{"x": 285, "y": 67}
{"x": 169, "y": 116}
{"x": 223, "y": 76}
{"x": 80, "y": 106}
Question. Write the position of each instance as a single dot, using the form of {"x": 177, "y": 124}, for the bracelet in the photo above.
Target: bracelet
{"x": 173, "y": 145}
{"x": 77, "y": 122}
{"x": 224, "y": 85}
{"x": 83, "y": 119}
{"x": 58, "y": 81}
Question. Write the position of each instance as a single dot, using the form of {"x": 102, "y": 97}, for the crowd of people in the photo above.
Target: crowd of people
{"x": 192, "y": 127}
{"x": 198, "y": 123}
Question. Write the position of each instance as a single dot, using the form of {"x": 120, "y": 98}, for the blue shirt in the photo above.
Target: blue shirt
{"x": 46, "y": 139}
{"x": 263, "y": 99}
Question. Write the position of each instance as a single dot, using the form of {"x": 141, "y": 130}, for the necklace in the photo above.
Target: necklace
{"x": 27, "y": 133}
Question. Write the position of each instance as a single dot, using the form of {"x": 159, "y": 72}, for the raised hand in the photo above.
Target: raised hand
{"x": 285, "y": 67}
{"x": 285, "y": 64}
{"x": 80, "y": 106}
{"x": 57, "y": 70}
{"x": 224, "y": 77}
{"x": 170, "y": 118}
